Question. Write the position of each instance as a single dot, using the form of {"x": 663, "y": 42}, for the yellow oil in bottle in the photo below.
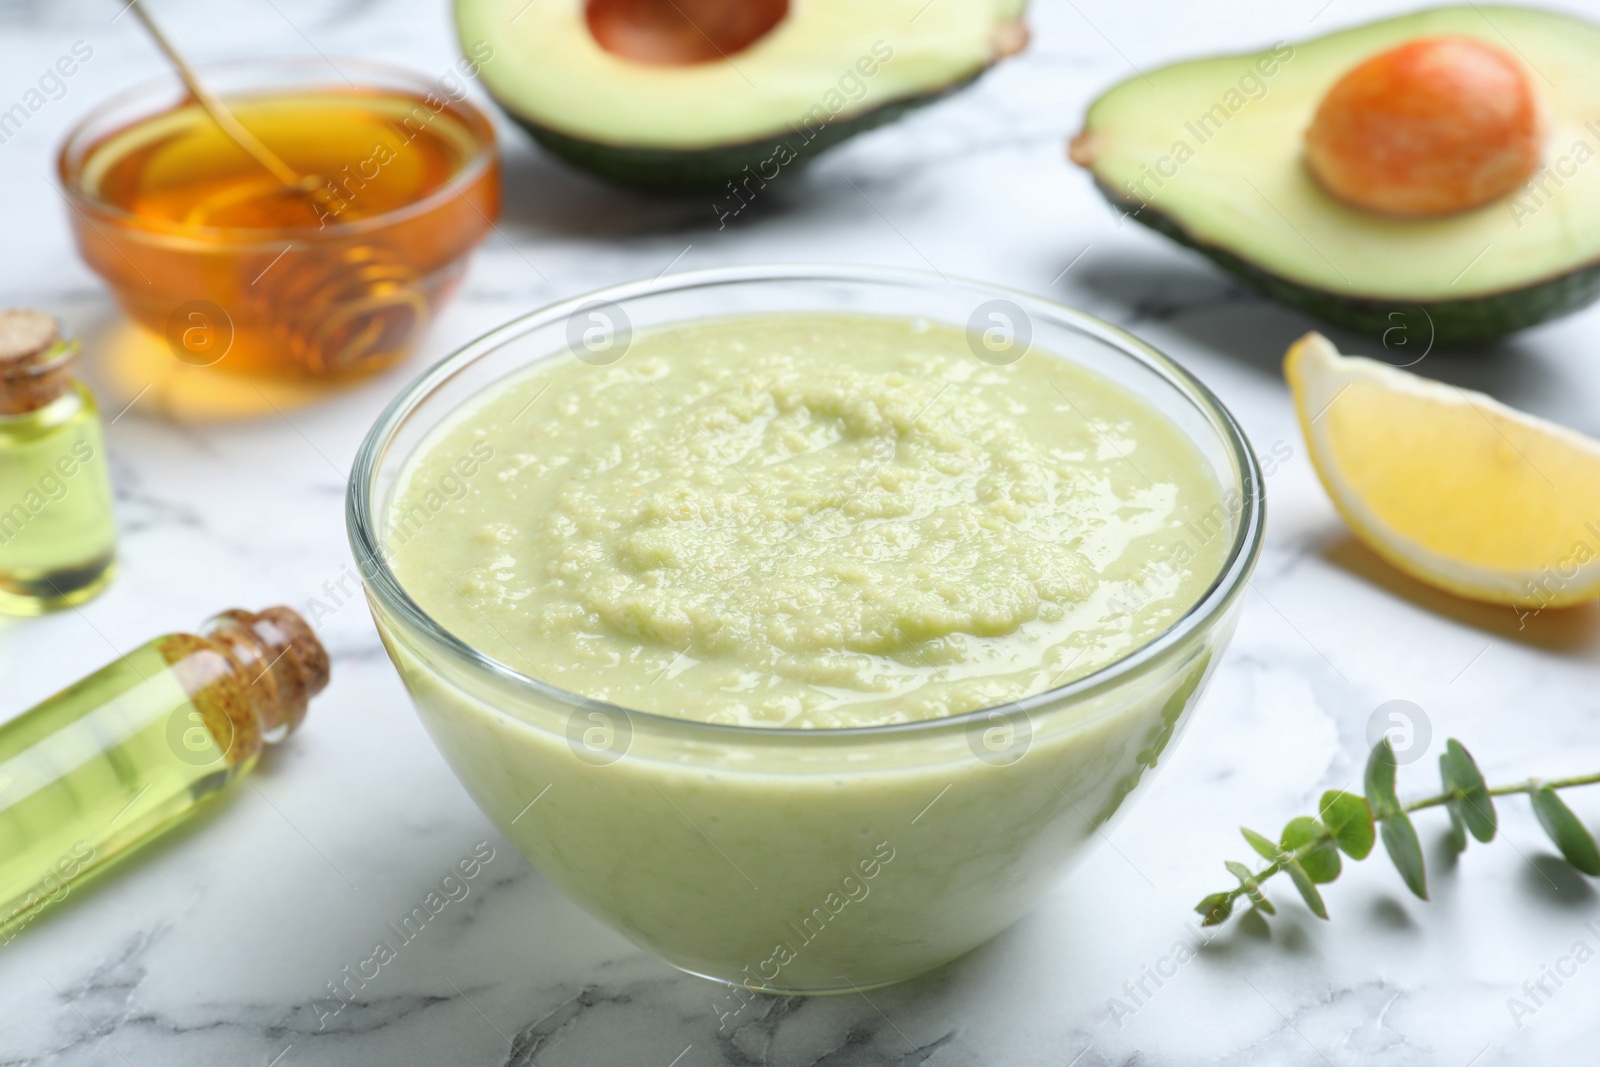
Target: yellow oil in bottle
{"x": 110, "y": 762}
{"x": 57, "y": 535}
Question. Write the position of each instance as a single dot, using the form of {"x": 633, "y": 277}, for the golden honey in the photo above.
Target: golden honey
{"x": 339, "y": 274}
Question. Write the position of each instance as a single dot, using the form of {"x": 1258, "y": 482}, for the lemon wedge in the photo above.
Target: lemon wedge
{"x": 1451, "y": 486}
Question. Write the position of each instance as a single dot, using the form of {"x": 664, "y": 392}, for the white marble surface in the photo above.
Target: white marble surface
{"x": 216, "y": 947}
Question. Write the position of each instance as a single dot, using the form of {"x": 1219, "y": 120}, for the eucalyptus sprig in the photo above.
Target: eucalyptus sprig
{"x": 1308, "y": 849}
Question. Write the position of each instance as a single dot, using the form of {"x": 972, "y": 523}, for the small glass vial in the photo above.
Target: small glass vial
{"x": 57, "y": 535}
{"x": 111, "y": 762}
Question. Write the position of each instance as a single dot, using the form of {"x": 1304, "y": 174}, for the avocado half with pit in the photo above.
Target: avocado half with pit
{"x": 1211, "y": 154}
{"x": 695, "y": 93}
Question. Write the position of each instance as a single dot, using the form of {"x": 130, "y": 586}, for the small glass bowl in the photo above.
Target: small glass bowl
{"x": 345, "y": 298}
{"x": 802, "y": 861}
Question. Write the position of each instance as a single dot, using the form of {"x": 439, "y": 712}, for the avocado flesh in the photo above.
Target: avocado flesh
{"x": 1211, "y": 154}
{"x": 828, "y": 70}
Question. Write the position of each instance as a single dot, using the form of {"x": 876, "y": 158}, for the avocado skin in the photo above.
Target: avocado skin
{"x": 670, "y": 170}
{"x": 1469, "y": 321}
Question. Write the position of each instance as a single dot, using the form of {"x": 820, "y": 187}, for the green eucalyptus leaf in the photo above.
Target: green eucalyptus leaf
{"x": 1299, "y": 831}
{"x": 1463, "y": 779}
{"x": 1215, "y": 908}
{"x": 1400, "y": 841}
{"x": 1461, "y": 770}
{"x": 1349, "y": 820}
{"x": 1252, "y": 888}
{"x": 1458, "y": 826}
{"x": 1308, "y": 890}
{"x": 1477, "y": 811}
{"x": 1565, "y": 829}
{"x": 1380, "y": 780}
{"x": 1321, "y": 859}
{"x": 1260, "y": 842}
{"x": 1322, "y": 863}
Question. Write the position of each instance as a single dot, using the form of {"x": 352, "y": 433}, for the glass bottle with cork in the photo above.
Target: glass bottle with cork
{"x": 57, "y": 535}
{"x": 111, "y": 762}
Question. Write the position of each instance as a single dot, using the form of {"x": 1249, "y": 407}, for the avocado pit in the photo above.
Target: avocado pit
{"x": 1435, "y": 126}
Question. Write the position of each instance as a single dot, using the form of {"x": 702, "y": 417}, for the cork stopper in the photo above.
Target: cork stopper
{"x": 283, "y": 655}
{"x": 35, "y": 363}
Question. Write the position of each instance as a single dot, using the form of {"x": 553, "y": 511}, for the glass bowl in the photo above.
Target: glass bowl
{"x": 789, "y": 860}
{"x": 343, "y": 297}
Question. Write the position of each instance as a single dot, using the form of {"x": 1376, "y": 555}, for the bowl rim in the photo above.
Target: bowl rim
{"x": 78, "y": 141}
{"x": 382, "y": 584}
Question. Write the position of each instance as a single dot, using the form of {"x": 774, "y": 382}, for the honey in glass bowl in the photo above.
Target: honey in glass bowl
{"x": 340, "y": 275}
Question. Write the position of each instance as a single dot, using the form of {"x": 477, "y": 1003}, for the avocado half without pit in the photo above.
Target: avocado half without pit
{"x": 1424, "y": 178}
{"x": 682, "y": 94}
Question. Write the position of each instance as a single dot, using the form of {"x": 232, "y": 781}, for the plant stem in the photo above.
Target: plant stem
{"x": 1280, "y": 863}
{"x": 1529, "y": 786}
{"x": 1323, "y": 837}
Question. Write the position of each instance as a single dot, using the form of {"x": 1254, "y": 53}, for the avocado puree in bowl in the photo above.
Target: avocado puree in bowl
{"x": 804, "y": 645}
